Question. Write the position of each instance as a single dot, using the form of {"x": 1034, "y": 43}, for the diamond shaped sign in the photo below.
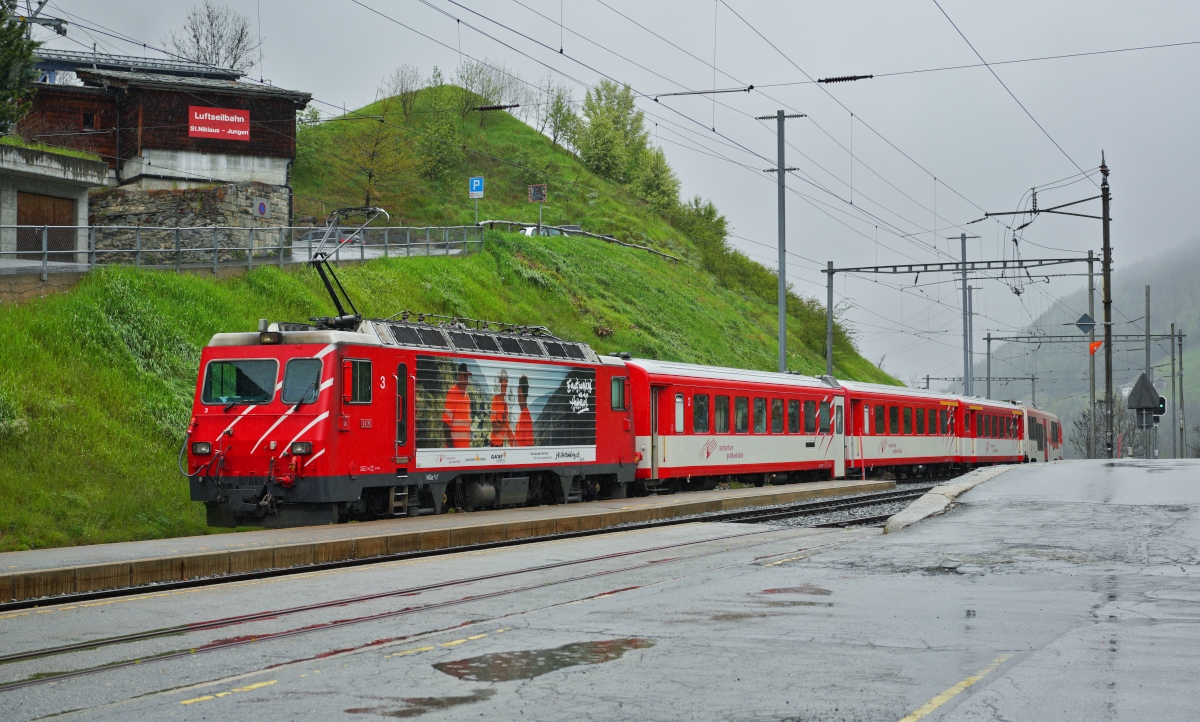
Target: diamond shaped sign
{"x": 1085, "y": 323}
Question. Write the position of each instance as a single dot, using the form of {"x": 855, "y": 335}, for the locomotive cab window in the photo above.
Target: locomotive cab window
{"x": 301, "y": 381}
{"x": 618, "y": 393}
{"x": 356, "y": 381}
{"x": 700, "y": 414}
{"x": 721, "y": 415}
{"x": 793, "y": 416}
{"x": 760, "y": 416}
{"x": 240, "y": 382}
{"x": 741, "y": 415}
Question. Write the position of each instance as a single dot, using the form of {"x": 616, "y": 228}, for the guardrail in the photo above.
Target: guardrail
{"x": 75, "y": 249}
{"x": 573, "y": 231}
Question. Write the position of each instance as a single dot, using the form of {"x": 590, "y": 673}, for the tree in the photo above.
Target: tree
{"x": 372, "y": 158}
{"x": 655, "y": 182}
{"x": 611, "y": 138}
{"x": 1125, "y": 433}
{"x": 560, "y": 114}
{"x": 215, "y": 35}
{"x": 404, "y": 83}
{"x": 17, "y": 74}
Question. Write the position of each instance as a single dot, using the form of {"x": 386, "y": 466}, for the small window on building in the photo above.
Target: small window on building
{"x": 894, "y": 419}
{"x": 741, "y": 415}
{"x": 700, "y": 414}
{"x": 679, "y": 413}
{"x": 880, "y": 422}
{"x": 908, "y": 420}
{"x": 793, "y": 416}
{"x": 823, "y": 418}
{"x": 89, "y": 121}
{"x": 721, "y": 415}
{"x": 618, "y": 393}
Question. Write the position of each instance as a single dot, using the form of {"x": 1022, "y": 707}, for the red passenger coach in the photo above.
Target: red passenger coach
{"x": 699, "y": 425}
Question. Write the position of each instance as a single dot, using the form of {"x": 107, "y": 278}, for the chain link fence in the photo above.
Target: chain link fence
{"x": 74, "y": 249}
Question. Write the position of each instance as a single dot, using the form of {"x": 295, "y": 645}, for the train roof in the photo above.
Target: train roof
{"x": 442, "y": 337}
{"x": 863, "y": 387}
{"x": 671, "y": 368}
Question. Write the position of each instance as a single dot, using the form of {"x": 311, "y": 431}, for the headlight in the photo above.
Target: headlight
{"x": 302, "y": 448}
{"x": 268, "y": 338}
{"x": 201, "y": 448}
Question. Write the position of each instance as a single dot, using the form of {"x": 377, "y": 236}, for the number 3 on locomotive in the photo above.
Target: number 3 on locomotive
{"x": 382, "y": 384}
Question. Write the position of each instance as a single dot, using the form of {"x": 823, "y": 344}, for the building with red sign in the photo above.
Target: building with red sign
{"x": 170, "y": 129}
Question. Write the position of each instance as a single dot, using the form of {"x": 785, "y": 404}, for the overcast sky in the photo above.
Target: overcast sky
{"x": 931, "y": 151}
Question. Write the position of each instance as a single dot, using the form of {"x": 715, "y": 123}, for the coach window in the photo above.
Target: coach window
{"x": 978, "y": 424}
{"x": 907, "y": 420}
{"x": 700, "y": 414}
{"x": 943, "y": 427}
{"x": 618, "y": 393}
{"x": 823, "y": 418}
{"x": 741, "y": 415}
{"x": 880, "y": 421}
{"x": 356, "y": 381}
{"x": 920, "y": 421}
{"x": 760, "y": 416}
{"x": 721, "y": 415}
{"x": 837, "y": 419}
{"x": 679, "y": 413}
{"x": 793, "y": 416}
{"x": 931, "y": 429}
{"x": 776, "y": 416}
{"x": 894, "y": 419}
{"x": 810, "y": 417}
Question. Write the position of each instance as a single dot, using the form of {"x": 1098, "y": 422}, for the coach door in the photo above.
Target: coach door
{"x": 839, "y": 437}
{"x": 655, "y": 442}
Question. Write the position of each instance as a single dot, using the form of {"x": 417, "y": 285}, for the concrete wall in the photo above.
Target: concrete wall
{"x": 202, "y": 168}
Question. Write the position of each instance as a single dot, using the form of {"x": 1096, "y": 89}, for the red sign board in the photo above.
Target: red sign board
{"x": 223, "y": 123}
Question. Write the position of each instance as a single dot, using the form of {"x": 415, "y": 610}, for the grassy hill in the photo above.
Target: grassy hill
{"x": 96, "y": 384}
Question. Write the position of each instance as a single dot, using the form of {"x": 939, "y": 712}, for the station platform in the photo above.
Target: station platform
{"x": 37, "y": 573}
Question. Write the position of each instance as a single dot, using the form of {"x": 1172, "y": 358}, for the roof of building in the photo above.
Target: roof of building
{"x": 50, "y": 59}
{"x": 125, "y": 79}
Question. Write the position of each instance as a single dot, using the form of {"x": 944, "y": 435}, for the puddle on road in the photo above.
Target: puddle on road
{"x": 511, "y": 666}
{"x": 802, "y": 589}
{"x": 417, "y": 706}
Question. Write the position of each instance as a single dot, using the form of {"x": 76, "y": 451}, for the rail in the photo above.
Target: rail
{"x": 76, "y": 249}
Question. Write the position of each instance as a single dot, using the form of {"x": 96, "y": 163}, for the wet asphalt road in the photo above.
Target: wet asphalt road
{"x": 1062, "y": 591}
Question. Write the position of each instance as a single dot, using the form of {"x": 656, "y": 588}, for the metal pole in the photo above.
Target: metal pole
{"x": 782, "y": 294}
{"x": 927, "y": 382}
{"x": 407, "y": 243}
{"x": 250, "y": 250}
{"x": 385, "y": 234}
{"x": 216, "y": 250}
{"x": 539, "y": 230}
{"x": 476, "y": 211}
{"x": 178, "y": 253}
{"x": 45, "y": 253}
{"x": 1091, "y": 445}
{"x": 1033, "y": 390}
{"x": 92, "y": 247}
{"x": 281, "y": 232}
{"x": 1183, "y": 447}
{"x": 989, "y": 365}
{"x": 1149, "y": 434}
{"x": 969, "y": 382}
{"x": 828, "y": 319}
{"x": 1107, "y": 270}
{"x": 966, "y": 322}
{"x": 137, "y": 245}
{"x": 1174, "y": 437}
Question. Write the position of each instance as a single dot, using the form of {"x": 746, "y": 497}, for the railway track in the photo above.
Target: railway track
{"x": 754, "y": 515}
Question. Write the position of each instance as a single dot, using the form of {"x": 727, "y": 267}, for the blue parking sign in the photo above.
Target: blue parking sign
{"x": 475, "y": 188}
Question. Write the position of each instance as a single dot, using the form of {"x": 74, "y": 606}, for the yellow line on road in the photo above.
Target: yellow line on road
{"x": 949, "y": 694}
{"x": 247, "y": 688}
{"x": 784, "y": 561}
{"x": 451, "y": 643}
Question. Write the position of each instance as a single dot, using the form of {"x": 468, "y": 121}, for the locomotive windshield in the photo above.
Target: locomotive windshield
{"x": 240, "y": 381}
{"x": 300, "y": 380}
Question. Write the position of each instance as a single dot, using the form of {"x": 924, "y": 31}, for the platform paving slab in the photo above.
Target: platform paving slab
{"x": 66, "y": 570}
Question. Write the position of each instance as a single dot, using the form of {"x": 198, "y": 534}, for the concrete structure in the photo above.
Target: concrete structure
{"x": 1051, "y": 592}
{"x": 42, "y": 188}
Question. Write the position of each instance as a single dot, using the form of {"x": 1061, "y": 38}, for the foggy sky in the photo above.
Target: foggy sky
{"x": 961, "y": 126}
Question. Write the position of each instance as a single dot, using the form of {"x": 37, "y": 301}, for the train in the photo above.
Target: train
{"x": 299, "y": 424}
{"x": 349, "y": 418}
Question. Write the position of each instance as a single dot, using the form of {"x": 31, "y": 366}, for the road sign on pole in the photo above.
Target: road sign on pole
{"x": 1085, "y": 324}
{"x": 475, "y": 189}
{"x": 537, "y": 194}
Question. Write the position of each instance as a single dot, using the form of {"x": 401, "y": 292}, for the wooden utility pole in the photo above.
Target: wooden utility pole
{"x": 1106, "y": 260}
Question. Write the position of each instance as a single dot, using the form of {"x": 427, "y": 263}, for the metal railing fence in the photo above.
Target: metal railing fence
{"x": 74, "y": 249}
